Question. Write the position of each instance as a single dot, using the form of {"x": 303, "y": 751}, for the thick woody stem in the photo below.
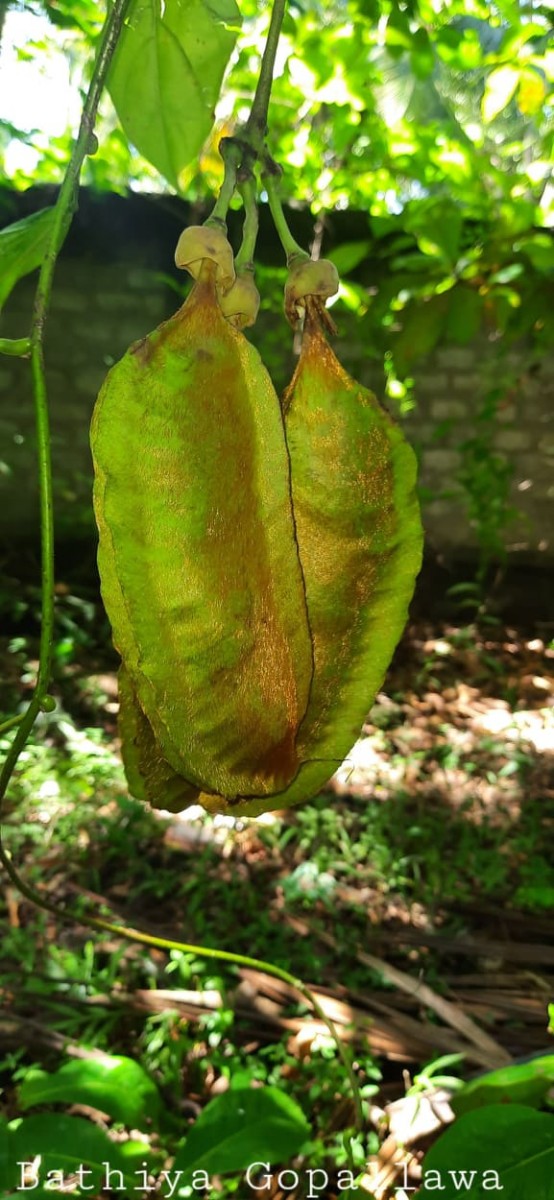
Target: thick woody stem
{"x": 256, "y": 125}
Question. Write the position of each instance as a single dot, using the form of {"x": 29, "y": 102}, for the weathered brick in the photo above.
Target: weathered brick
{"x": 141, "y": 278}
{"x": 118, "y": 302}
{"x": 529, "y": 464}
{"x": 512, "y": 440}
{"x": 441, "y": 460}
{"x": 420, "y": 433}
{"x": 162, "y": 305}
{"x": 435, "y": 384}
{"x": 506, "y": 413}
{"x": 450, "y": 529}
{"x": 447, "y": 410}
{"x": 70, "y": 300}
{"x": 468, "y": 383}
{"x": 96, "y": 329}
{"x": 90, "y": 381}
{"x": 457, "y": 357}
{"x": 441, "y": 507}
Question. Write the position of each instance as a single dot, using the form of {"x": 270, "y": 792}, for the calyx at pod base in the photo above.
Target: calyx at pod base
{"x": 257, "y": 556}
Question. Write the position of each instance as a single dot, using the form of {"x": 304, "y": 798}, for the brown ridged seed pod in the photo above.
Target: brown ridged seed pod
{"x": 198, "y": 559}
{"x": 360, "y": 540}
{"x": 256, "y": 563}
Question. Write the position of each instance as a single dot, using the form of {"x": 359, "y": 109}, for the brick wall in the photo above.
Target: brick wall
{"x": 105, "y": 297}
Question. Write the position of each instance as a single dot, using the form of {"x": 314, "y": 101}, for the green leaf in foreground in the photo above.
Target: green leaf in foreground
{"x": 524, "y": 1083}
{"x": 115, "y": 1085}
{"x": 64, "y": 1144}
{"x": 166, "y": 75}
{"x": 244, "y": 1126}
{"x": 515, "y": 1142}
{"x": 22, "y": 248}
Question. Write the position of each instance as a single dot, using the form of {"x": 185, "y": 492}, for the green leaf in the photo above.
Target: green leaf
{"x": 506, "y": 274}
{"x": 166, "y": 75}
{"x": 115, "y": 1085}
{"x": 423, "y": 324}
{"x": 539, "y": 249}
{"x": 394, "y": 89}
{"x": 22, "y": 248}
{"x": 244, "y": 1125}
{"x": 532, "y": 92}
{"x": 517, "y": 215}
{"x": 499, "y": 89}
{"x": 382, "y": 226}
{"x": 513, "y": 1141}
{"x": 524, "y": 1083}
{"x": 534, "y": 895}
{"x": 464, "y": 315}
{"x": 459, "y": 589}
{"x": 437, "y": 225}
{"x": 422, "y": 57}
{"x": 397, "y": 31}
{"x": 349, "y": 255}
{"x": 66, "y": 1143}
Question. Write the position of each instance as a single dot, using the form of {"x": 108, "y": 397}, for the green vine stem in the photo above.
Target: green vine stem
{"x": 16, "y": 347}
{"x": 240, "y": 152}
{"x": 63, "y": 212}
{"x": 11, "y": 722}
{"x": 254, "y": 131}
{"x": 271, "y": 174}
{"x": 244, "y": 260}
{"x": 231, "y": 153}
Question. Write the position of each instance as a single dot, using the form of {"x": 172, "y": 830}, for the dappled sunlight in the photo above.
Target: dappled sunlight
{"x": 534, "y": 726}
{"x": 474, "y": 765}
{"x": 478, "y": 706}
{"x": 412, "y": 894}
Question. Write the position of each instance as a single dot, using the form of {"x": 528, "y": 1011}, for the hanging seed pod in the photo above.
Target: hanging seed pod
{"x": 308, "y": 277}
{"x": 149, "y": 775}
{"x": 198, "y": 559}
{"x": 240, "y": 305}
{"x": 199, "y": 244}
{"x": 256, "y": 593}
{"x": 360, "y": 541}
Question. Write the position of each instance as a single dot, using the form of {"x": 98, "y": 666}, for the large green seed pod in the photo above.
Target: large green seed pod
{"x": 256, "y": 586}
{"x": 360, "y": 539}
{"x": 198, "y": 559}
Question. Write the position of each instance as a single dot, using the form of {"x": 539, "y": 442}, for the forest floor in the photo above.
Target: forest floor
{"x": 415, "y": 896}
